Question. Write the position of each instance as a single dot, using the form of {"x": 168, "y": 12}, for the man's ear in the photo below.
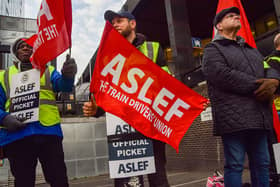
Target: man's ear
{"x": 219, "y": 26}
{"x": 132, "y": 23}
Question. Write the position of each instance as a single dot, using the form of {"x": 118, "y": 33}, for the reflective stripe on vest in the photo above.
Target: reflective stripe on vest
{"x": 277, "y": 103}
{"x": 273, "y": 58}
{"x": 150, "y": 49}
{"x": 48, "y": 111}
{"x": 266, "y": 60}
{"x": 266, "y": 66}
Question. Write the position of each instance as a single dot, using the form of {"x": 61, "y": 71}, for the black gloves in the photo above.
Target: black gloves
{"x": 69, "y": 68}
{"x": 12, "y": 124}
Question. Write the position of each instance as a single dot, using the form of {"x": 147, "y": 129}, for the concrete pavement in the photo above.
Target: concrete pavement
{"x": 176, "y": 179}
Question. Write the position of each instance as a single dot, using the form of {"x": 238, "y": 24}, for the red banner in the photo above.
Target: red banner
{"x": 276, "y": 123}
{"x": 54, "y": 31}
{"x": 245, "y": 30}
{"x": 129, "y": 85}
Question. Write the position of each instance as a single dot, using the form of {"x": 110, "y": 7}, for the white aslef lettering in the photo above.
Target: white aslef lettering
{"x": 45, "y": 10}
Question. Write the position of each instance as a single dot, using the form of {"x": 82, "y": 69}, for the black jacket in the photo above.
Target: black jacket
{"x": 139, "y": 40}
{"x": 231, "y": 69}
{"x": 275, "y": 64}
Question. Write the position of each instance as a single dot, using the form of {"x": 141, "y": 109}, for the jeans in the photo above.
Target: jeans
{"x": 254, "y": 143}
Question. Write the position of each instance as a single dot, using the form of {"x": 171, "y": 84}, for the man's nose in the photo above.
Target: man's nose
{"x": 115, "y": 25}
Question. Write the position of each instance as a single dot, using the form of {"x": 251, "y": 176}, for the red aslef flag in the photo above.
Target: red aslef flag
{"x": 54, "y": 22}
{"x": 30, "y": 41}
{"x": 276, "y": 122}
{"x": 129, "y": 85}
{"x": 245, "y": 30}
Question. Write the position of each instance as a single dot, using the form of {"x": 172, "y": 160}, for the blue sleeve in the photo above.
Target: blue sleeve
{"x": 3, "y": 99}
{"x": 60, "y": 83}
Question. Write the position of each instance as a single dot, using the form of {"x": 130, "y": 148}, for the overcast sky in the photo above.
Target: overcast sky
{"x": 87, "y": 27}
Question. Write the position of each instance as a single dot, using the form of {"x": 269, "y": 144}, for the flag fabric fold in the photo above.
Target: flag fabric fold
{"x": 276, "y": 123}
{"x": 53, "y": 37}
{"x": 129, "y": 85}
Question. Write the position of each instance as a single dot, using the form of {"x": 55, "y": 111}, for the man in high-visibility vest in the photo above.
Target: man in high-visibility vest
{"x": 125, "y": 23}
{"x": 273, "y": 61}
{"x": 24, "y": 143}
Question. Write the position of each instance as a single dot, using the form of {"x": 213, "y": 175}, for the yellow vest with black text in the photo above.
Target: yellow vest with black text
{"x": 150, "y": 49}
{"x": 266, "y": 66}
{"x": 48, "y": 110}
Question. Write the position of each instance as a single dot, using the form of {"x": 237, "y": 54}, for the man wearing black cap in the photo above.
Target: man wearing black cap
{"x": 41, "y": 139}
{"x": 241, "y": 100}
{"x": 273, "y": 61}
{"x": 125, "y": 24}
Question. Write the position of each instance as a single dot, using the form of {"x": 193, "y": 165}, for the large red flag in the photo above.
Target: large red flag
{"x": 276, "y": 122}
{"x": 246, "y": 33}
{"x": 129, "y": 85}
{"x": 54, "y": 31}
{"x": 245, "y": 30}
{"x": 30, "y": 41}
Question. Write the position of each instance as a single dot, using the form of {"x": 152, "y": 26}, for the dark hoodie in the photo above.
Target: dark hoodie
{"x": 139, "y": 40}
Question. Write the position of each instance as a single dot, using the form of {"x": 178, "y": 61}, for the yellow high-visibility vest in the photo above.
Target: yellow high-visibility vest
{"x": 150, "y": 50}
{"x": 48, "y": 110}
{"x": 266, "y": 66}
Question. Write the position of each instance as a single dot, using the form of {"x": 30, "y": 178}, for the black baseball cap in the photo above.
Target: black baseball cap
{"x": 224, "y": 12}
{"x": 109, "y": 15}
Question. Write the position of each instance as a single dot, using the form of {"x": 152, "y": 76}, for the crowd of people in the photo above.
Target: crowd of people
{"x": 242, "y": 85}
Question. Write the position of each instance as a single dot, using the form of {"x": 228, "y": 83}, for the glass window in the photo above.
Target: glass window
{"x": 271, "y": 22}
{"x": 260, "y": 27}
{"x": 264, "y": 24}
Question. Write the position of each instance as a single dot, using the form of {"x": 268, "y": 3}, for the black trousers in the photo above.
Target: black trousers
{"x": 158, "y": 179}
{"x": 24, "y": 154}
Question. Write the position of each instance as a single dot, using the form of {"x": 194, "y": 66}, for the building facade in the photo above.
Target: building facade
{"x": 12, "y": 8}
{"x": 174, "y": 24}
{"x": 12, "y": 28}
{"x": 183, "y": 28}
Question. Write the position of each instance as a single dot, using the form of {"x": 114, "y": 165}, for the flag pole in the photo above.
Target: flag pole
{"x": 70, "y": 51}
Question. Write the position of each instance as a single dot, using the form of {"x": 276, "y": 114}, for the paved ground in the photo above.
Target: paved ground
{"x": 176, "y": 179}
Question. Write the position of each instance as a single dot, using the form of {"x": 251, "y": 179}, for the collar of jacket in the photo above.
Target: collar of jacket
{"x": 24, "y": 66}
{"x": 139, "y": 39}
{"x": 225, "y": 41}
{"x": 275, "y": 53}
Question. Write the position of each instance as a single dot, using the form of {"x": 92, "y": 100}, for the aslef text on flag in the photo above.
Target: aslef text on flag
{"x": 54, "y": 23}
{"x": 129, "y": 85}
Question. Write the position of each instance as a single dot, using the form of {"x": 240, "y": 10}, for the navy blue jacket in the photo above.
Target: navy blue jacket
{"x": 231, "y": 69}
